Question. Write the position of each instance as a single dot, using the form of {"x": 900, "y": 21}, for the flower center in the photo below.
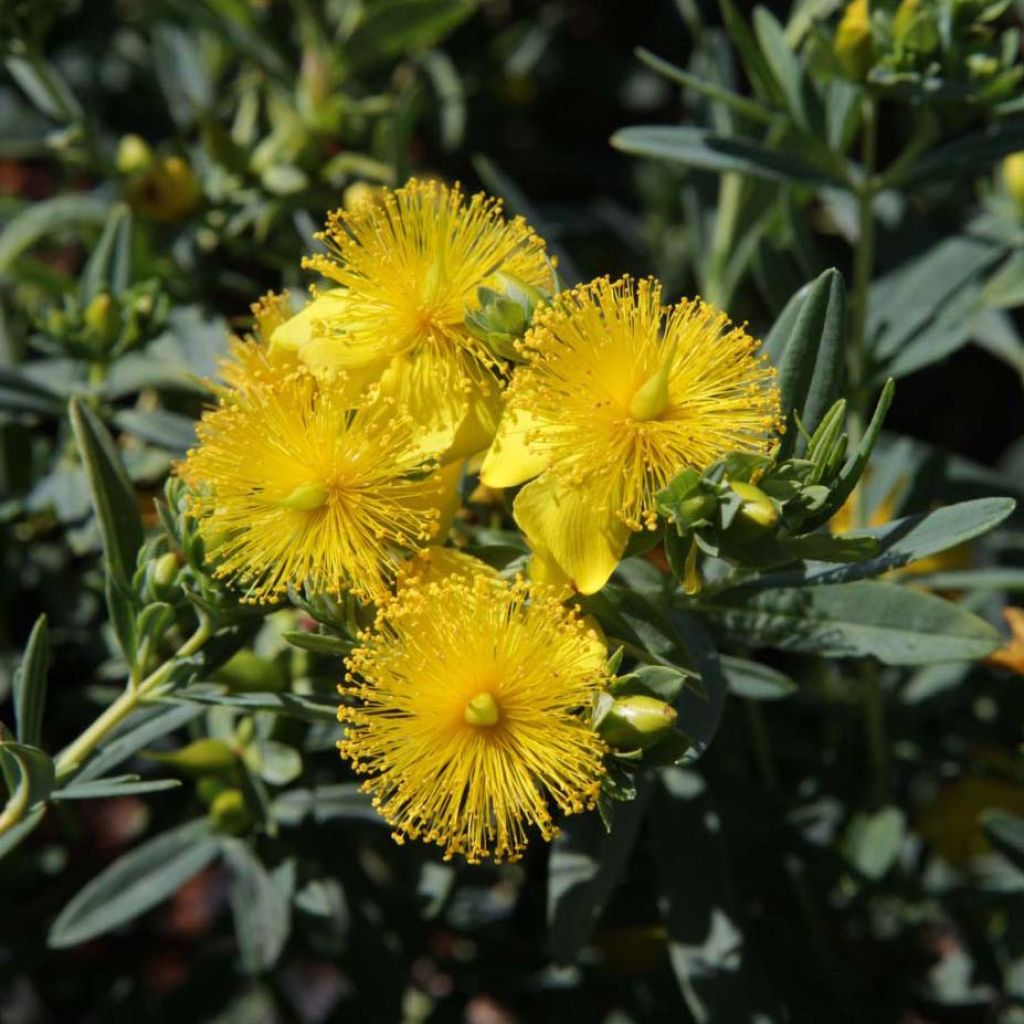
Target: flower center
{"x": 482, "y": 710}
{"x": 651, "y": 398}
{"x": 306, "y": 497}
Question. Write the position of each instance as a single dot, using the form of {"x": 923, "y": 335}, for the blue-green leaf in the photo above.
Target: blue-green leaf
{"x": 30, "y": 685}
{"x": 135, "y": 883}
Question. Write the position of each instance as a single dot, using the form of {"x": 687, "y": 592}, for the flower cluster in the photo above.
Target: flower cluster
{"x": 332, "y": 461}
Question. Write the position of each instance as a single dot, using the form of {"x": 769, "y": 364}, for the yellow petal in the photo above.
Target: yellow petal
{"x": 316, "y": 335}
{"x": 428, "y": 384}
{"x": 476, "y": 431}
{"x": 510, "y": 460}
{"x": 562, "y": 521}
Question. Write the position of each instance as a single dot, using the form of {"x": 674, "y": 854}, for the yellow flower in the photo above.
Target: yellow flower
{"x": 619, "y": 394}
{"x": 408, "y": 267}
{"x": 293, "y": 485}
{"x": 1011, "y": 654}
{"x": 471, "y": 714}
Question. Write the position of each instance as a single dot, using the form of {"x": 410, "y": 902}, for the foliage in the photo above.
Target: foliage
{"x": 812, "y": 801}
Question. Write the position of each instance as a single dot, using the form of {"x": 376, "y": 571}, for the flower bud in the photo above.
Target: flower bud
{"x": 247, "y": 672}
{"x": 134, "y": 155}
{"x": 852, "y": 43}
{"x": 637, "y": 722}
{"x": 1013, "y": 177}
{"x": 165, "y": 569}
{"x": 103, "y": 321}
{"x": 230, "y": 813}
{"x": 757, "y": 509}
{"x": 201, "y": 757}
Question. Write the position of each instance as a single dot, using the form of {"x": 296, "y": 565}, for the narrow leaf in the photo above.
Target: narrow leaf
{"x": 260, "y": 907}
{"x": 30, "y": 685}
{"x": 113, "y": 495}
{"x": 135, "y": 883}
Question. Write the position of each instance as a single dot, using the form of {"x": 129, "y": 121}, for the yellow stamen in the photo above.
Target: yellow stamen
{"x": 482, "y": 710}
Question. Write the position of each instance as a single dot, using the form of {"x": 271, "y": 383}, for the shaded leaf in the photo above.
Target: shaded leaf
{"x": 135, "y": 883}
{"x": 897, "y": 625}
{"x": 30, "y": 685}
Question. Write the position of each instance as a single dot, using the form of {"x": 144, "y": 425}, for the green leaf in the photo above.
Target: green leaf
{"x": 113, "y": 496}
{"x": 30, "y": 685}
{"x": 702, "y": 149}
{"x": 895, "y": 624}
{"x": 14, "y": 835}
{"x": 34, "y": 771}
{"x": 45, "y": 87}
{"x": 48, "y": 216}
{"x": 750, "y": 53}
{"x": 585, "y": 865}
{"x": 971, "y": 152}
{"x": 711, "y": 957}
{"x": 700, "y": 709}
{"x": 847, "y": 479}
{"x": 119, "y": 785}
{"x": 873, "y": 841}
{"x": 168, "y": 430}
{"x": 754, "y": 681}
{"x": 260, "y": 905}
{"x": 293, "y": 705}
{"x": 711, "y": 90}
{"x": 156, "y": 723}
{"x": 319, "y": 643}
{"x": 1005, "y": 831}
{"x": 135, "y": 883}
{"x": 661, "y": 681}
{"x": 807, "y": 346}
{"x": 394, "y": 27}
{"x": 343, "y": 802}
{"x": 19, "y": 393}
{"x": 902, "y": 542}
{"x": 109, "y": 266}
{"x": 785, "y": 67}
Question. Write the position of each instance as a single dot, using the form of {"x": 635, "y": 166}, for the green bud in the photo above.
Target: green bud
{"x": 852, "y": 44}
{"x": 1013, "y": 178}
{"x": 636, "y": 722}
{"x": 757, "y": 509}
{"x": 201, "y": 757}
{"x": 165, "y": 569}
{"x": 247, "y": 672}
{"x": 230, "y": 813}
{"x": 696, "y": 509}
{"x": 134, "y": 155}
{"x": 209, "y": 787}
{"x": 103, "y": 320}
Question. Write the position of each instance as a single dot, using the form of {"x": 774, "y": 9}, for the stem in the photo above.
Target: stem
{"x": 863, "y": 264}
{"x": 77, "y": 751}
{"x": 874, "y": 735}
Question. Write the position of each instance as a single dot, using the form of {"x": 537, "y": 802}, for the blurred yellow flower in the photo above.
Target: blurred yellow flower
{"x": 1011, "y": 654}
{"x": 618, "y": 394}
{"x": 294, "y": 485}
{"x": 1013, "y": 176}
{"x": 472, "y": 722}
{"x": 159, "y": 187}
{"x": 950, "y": 822}
{"x": 408, "y": 266}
